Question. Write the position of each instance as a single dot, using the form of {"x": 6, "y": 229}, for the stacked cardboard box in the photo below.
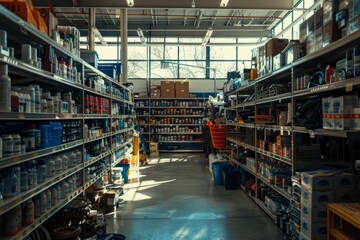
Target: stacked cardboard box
{"x": 342, "y": 17}
{"x": 330, "y": 29}
{"x": 182, "y": 89}
{"x": 274, "y": 47}
{"x": 317, "y": 189}
{"x": 167, "y": 89}
{"x": 155, "y": 91}
{"x": 354, "y": 16}
{"x": 318, "y": 29}
{"x": 154, "y": 149}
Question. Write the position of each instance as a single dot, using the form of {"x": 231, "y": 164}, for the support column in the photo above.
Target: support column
{"x": 91, "y": 34}
{"x": 124, "y": 44}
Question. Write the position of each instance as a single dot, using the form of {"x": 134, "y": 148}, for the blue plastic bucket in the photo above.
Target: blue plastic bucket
{"x": 125, "y": 171}
{"x": 217, "y": 168}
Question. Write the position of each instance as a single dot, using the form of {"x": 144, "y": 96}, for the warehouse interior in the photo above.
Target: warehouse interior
{"x": 193, "y": 119}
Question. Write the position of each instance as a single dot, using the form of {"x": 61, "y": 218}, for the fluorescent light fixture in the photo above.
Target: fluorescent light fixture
{"x": 99, "y": 36}
{"x": 141, "y": 36}
{"x": 130, "y": 3}
{"x": 224, "y": 3}
{"x": 207, "y": 37}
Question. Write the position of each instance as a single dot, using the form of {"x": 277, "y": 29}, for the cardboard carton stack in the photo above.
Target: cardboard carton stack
{"x": 330, "y": 29}
{"x": 154, "y": 149}
{"x": 167, "y": 89}
{"x": 273, "y": 48}
{"x": 155, "y": 91}
{"x": 182, "y": 89}
{"x": 318, "y": 188}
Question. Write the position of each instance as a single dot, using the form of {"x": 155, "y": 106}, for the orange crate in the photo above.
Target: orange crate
{"x": 22, "y": 9}
{"x": 218, "y": 135}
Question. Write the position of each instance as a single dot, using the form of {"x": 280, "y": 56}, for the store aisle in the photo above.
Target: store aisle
{"x": 176, "y": 200}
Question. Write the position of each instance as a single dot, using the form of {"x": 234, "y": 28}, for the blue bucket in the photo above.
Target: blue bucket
{"x": 124, "y": 172}
{"x": 217, "y": 168}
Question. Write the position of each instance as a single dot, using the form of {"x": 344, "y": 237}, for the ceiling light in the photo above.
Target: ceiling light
{"x": 141, "y": 36}
{"x": 193, "y": 4}
{"x": 99, "y": 36}
{"x": 207, "y": 37}
{"x": 224, "y": 3}
{"x": 130, "y": 3}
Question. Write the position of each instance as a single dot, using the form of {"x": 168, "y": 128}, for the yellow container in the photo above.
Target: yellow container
{"x": 253, "y": 74}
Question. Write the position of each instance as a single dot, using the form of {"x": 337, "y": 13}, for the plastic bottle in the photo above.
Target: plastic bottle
{"x": 59, "y": 195}
{"x": 54, "y": 196}
{"x": 50, "y": 105}
{"x": 37, "y": 205}
{"x": 35, "y": 173}
{"x": 64, "y": 189}
{"x": 44, "y": 106}
{"x": 17, "y": 172}
{"x": 58, "y": 165}
{"x": 16, "y": 144}
{"x": 27, "y": 99}
{"x": 65, "y": 161}
{"x": 10, "y": 184}
{"x": 13, "y": 221}
{"x": 30, "y": 176}
{"x": 5, "y": 89}
{"x": 71, "y": 184}
{"x": 43, "y": 203}
{"x": 28, "y": 212}
{"x": 8, "y": 145}
{"x": 78, "y": 157}
{"x": 41, "y": 172}
{"x": 50, "y": 165}
{"x": 37, "y": 97}
{"x": 24, "y": 183}
{"x": 48, "y": 197}
{"x": 72, "y": 159}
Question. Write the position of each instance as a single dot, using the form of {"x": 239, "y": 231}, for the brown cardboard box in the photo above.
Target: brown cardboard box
{"x": 142, "y": 95}
{"x": 155, "y": 95}
{"x": 109, "y": 198}
{"x": 310, "y": 27}
{"x": 310, "y": 43}
{"x": 330, "y": 33}
{"x": 167, "y": 93}
{"x": 275, "y": 46}
{"x": 330, "y": 8}
{"x": 303, "y": 32}
{"x": 182, "y": 93}
{"x": 318, "y": 29}
{"x": 183, "y": 85}
{"x": 156, "y": 90}
{"x": 319, "y": 18}
{"x": 354, "y": 25}
{"x": 155, "y": 87}
{"x": 167, "y": 85}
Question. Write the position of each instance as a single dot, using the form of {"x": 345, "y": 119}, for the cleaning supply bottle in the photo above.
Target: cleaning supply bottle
{"x": 5, "y": 89}
{"x": 28, "y": 213}
{"x": 24, "y": 184}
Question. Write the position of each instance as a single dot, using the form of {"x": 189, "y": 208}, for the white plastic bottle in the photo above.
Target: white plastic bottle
{"x": 48, "y": 197}
{"x": 41, "y": 172}
{"x": 78, "y": 157}
{"x": 16, "y": 144}
{"x": 50, "y": 166}
{"x": 59, "y": 195}
{"x": 24, "y": 184}
{"x": 30, "y": 176}
{"x": 17, "y": 172}
{"x": 37, "y": 205}
{"x": 35, "y": 173}
{"x": 5, "y": 89}
{"x": 58, "y": 165}
{"x": 54, "y": 196}
{"x": 8, "y": 145}
{"x": 64, "y": 189}
{"x": 65, "y": 161}
{"x": 72, "y": 159}
{"x": 10, "y": 184}
{"x": 28, "y": 213}
{"x": 43, "y": 203}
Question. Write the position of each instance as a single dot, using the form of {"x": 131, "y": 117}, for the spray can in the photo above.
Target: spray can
{"x": 5, "y": 89}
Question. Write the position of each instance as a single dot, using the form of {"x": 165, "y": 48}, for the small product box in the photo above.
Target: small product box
{"x": 182, "y": 94}
{"x": 182, "y": 85}
{"x": 275, "y": 46}
{"x": 327, "y": 113}
{"x": 315, "y": 198}
{"x": 318, "y": 180}
{"x": 314, "y": 213}
{"x": 342, "y": 108}
{"x": 313, "y": 230}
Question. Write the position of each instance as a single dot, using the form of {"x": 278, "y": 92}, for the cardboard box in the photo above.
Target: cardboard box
{"x": 109, "y": 198}
{"x": 295, "y": 52}
{"x": 142, "y": 95}
{"x": 313, "y": 230}
{"x": 153, "y": 146}
{"x": 343, "y": 196}
{"x": 275, "y": 46}
{"x": 167, "y": 85}
{"x": 310, "y": 43}
{"x": 354, "y": 10}
{"x": 155, "y": 95}
{"x": 310, "y": 27}
{"x": 343, "y": 4}
{"x": 303, "y": 32}
{"x": 182, "y": 85}
{"x": 155, "y": 87}
{"x": 314, "y": 213}
{"x": 167, "y": 93}
{"x": 342, "y": 109}
{"x": 154, "y": 154}
{"x": 327, "y": 113}
{"x": 354, "y": 25}
{"x": 344, "y": 182}
{"x": 318, "y": 180}
{"x": 330, "y": 33}
{"x": 278, "y": 61}
{"x": 312, "y": 197}
{"x": 156, "y": 90}
{"x": 182, "y": 94}
{"x": 330, "y": 8}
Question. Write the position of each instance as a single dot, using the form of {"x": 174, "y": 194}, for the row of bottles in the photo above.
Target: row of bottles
{"x": 24, "y": 177}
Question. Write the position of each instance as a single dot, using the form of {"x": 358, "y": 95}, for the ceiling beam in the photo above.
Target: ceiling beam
{"x": 200, "y": 4}
{"x": 215, "y": 14}
{"x": 152, "y": 17}
{"x": 232, "y": 14}
{"x": 185, "y": 18}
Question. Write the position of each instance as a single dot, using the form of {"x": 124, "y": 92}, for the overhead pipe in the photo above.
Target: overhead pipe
{"x": 172, "y": 15}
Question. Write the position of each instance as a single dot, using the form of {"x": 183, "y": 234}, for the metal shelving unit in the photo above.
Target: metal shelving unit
{"x": 22, "y": 73}
{"x": 286, "y": 75}
{"x": 148, "y": 127}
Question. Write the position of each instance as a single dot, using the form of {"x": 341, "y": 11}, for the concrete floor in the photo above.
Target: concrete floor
{"x": 174, "y": 199}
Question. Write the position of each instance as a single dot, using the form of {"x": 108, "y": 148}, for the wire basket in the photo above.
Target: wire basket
{"x": 218, "y": 135}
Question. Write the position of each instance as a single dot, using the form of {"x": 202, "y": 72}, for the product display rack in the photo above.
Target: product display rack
{"x": 286, "y": 75}
{"x": 119, "y": 138}
{"x": 154, "y": 130}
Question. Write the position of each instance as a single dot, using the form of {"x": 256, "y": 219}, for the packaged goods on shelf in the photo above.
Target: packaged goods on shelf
{"x": 303, "y": 31}
{"x": 294, "y": 51}
{"x": 318, "y": 28}
{"x": 278, "y": 61}
{"x": 182, "y": 94}
{"x": 313, "y": 230}
{"x": 275, "y": 46}
{"x": 310, "y": 43}
{"x": 182, "y": 85}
